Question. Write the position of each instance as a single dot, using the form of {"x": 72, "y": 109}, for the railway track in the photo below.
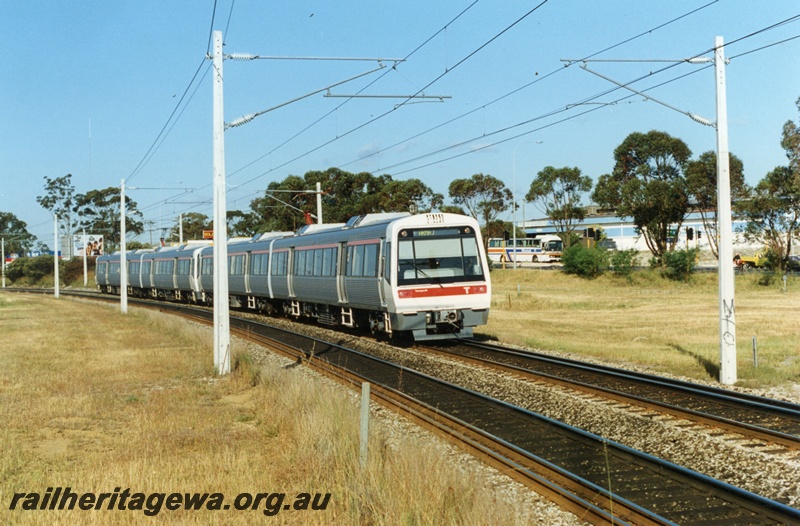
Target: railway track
{"x": 769, "y": 420}
{"x": 600, "y": 481}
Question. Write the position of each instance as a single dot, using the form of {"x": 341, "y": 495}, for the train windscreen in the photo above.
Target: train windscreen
{"x": 438, "y": 255}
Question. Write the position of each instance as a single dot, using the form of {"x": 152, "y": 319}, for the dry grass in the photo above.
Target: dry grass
{"x": 96, "y": 401}
{"x": 670, "y": 327}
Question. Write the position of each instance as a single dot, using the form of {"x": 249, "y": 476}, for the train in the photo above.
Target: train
{"x": 424, "y": 276}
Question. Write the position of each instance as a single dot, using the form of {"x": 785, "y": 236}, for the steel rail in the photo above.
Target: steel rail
{"x": 785, "y": 411}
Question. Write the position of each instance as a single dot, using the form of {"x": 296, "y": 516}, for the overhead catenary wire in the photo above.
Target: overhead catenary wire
{"x": 639, "y": 35}
{"x": 473, "y": 111}
{"x": 396, "y": 107}
{"x": 529, "y": 84}
{"x": 537, "y": 80}
{"x": 336, "y": 108}
{"x": 673, "y": 64}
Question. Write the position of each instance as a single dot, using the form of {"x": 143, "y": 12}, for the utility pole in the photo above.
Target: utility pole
{"x": 150, "y": 228}
{"x": 85, "y": 264}
{"x": 123, "y": 262}
{"x": 55, "y": 255}
{"x": 727, "y": 310}
{"x": 319, "y": 203}
{"x": 3, "y": 262}
{"x": 222, "y": 336}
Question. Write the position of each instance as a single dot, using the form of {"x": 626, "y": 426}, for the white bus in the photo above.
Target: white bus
{"x": 540, "y": 249}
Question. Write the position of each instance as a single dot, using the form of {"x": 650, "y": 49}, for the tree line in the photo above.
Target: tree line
{"x": 655, "y": 183}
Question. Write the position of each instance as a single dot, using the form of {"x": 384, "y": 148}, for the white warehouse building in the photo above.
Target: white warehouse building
{"x": 621, "y": 234}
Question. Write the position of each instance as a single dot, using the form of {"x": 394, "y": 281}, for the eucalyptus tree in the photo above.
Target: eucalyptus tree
{"x": 402, "y": 196}
{"x": 482, "y": 196}
{"x": 557, "y": 193}
{"x": 773, "y": 212}
{"x": 15, "y": 233}
{"x": 790, "y": 142}
{"x": 243, "y": 224}
{"x": 649, "y": 186}
{"x": 701, "y": 183}
{"x": 193, "y": 224}
{"x": 282, "y": 206}
{"x": 98, "y": 211}
{"x": 344, "y": 195}
{"x": 59, "y": 199}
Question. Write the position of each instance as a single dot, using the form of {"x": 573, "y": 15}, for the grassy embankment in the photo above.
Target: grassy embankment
{"x": 96, "y": 401}
{"x": 668, "y": 326}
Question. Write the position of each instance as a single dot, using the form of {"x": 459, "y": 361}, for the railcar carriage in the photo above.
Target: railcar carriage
{"x": 107, "y": 271}
{"x": 248, "y": 261}
{"x": 174, "y": 271}
{"x": 139, "y": 271}
{"x": 266, "y": 276}
{"x": 437, "y": 279}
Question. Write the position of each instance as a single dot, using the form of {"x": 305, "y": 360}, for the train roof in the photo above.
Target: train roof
{"x": 372, "y": 219}
{"x": 314, "y": 228}
{"x": 129, "y": 252}
{"x": 270, "y": 235}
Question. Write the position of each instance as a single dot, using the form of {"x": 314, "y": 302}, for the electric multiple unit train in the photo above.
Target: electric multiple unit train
{"x": 422, "y": 275}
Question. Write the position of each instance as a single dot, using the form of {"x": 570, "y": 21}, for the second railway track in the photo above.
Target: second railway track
{"x": 772, "y": 421}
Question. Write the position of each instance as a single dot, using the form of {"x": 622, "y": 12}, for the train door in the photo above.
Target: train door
{"x": 247, "y": 256}
{"x": 290, "y": 272}
{"x": 341, "y": 267}
{"x": 383, "y": 261}
{"x": 270, "y": 272}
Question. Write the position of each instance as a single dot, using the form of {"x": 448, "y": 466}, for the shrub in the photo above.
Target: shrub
{"x": 774, "y": 259}
{"x": 38, "y": 267}
{"x": 766, "y": 278}
{"x": 679, "y": 265}
{"x": 623, "y": 262}
{"x": 585, "y": 262}
{"x": 72, "y": 271}
{"x": 30, "y": 271}
{"x": 15, "y": 270}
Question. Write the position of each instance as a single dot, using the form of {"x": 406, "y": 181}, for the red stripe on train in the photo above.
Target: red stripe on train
{"x": 429, "y": 292}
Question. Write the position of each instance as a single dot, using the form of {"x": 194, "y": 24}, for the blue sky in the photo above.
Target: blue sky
{"x": 89, "y": 86}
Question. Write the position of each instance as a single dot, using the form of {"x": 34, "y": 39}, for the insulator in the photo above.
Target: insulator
{"x": 701, "y": 120}
{"x": 241, "y": 56}
{"x": 241, "y": 120}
